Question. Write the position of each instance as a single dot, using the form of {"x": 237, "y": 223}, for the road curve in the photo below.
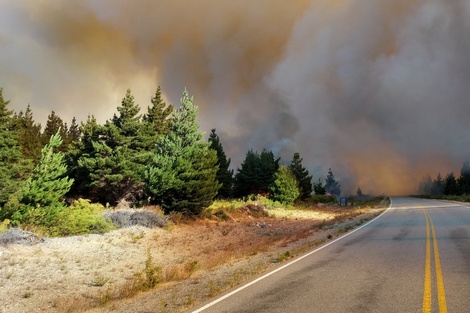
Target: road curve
{"x": 413, "y": 258}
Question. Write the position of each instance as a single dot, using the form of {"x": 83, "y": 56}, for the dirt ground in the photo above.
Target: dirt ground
{"x": 195, "y": 261}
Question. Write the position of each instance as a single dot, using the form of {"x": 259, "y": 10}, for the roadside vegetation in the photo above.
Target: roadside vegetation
{"x": 449, "y": 187}
{"x": 155, "y": 170}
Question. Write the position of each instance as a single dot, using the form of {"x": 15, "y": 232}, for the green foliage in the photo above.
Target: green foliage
{"x": 319, "y": 188}
{"x": 256, "y": 173}
{"x": 158, "y": 115}
{"x": 224, "y": 174}
{"x": 40, "y": 196}
{"x": 285, "y": 188}
{"x": 13, "y": 168}
{"x": 29, "y": 135}
{"x": 301, "y": 174}
{"x": 182, "y": 174}
{"x": 54, "y": 125}
{"x": 82, "y": 217}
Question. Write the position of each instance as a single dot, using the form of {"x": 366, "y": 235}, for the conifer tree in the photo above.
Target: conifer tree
{"x": 112, "y": 159}
{"x": 301, "y": 174}
{"x": 451, "y": 186}
{"x": 182, "y": 174}
{"x": 41, "y": 195}
{"x": 54, "y": 123}
{"x": 224, "y": 174}
{"x": 331, "y": 185}
{"x": 158, "y": 115}
{"x": 246, "y": 180}
{"x": 12, "y": 167}
{"x": 319, "y": 188}
{"x": 256, "y": 173}
{"x": 285, "y": 188}
{"x": 464, "y": 179}
{"x": 29, "y": 135}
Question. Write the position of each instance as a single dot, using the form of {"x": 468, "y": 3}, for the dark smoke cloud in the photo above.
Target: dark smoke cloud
{"x": 377, "y": 90}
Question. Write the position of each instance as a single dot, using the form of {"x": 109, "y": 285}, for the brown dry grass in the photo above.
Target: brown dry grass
{"x": 194, "y": 260}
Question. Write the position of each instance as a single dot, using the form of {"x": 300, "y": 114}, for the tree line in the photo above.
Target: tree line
{"x": 158, "y": 157}
{"x": 450, "y": 185}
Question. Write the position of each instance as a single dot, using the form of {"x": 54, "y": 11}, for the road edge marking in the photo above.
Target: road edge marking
{"x": 288, "y": 264}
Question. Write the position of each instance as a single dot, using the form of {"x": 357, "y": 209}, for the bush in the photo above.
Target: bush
{"x": 322, "y": 199}
{"x": 285, "y": 188}
{"x": 82, "y": 217}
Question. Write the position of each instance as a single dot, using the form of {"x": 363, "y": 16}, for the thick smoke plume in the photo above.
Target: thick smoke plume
{"x": 376, "y": 90}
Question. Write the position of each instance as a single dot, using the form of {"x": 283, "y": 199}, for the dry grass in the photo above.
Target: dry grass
{"x": 170, "y": 269}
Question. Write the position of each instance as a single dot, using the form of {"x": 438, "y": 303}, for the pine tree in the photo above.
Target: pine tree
{"x": 158, "y": 115}
{"x": 73, "y": 133}
{"x": 182, "y": 174}
{"x": 41, "y": 196}
{"x": 268, "y": 167}
{"x": 285, "y": 188}
{"x": 319, "y": 188}
{"x": 53, "y": 125}
{"x": 301, "y": 174}
{"x": 112, "y": 160}
{"x": 246, "y": 180}
{"x": 438, "y": 185}
{"x": 451, "y": 186}
{"x": 224, "y": 174}
{"x": 29, "y": 135}
{"x": 464, "y": 179}
{"x": 13, "y": 169}
{"x": 331, "y": 185}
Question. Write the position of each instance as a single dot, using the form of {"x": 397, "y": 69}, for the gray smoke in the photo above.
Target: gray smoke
{"x": 376, "y": 90}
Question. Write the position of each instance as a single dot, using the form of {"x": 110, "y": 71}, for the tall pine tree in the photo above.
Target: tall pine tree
{"x": 41, "y": 197}
{"x": 182, "y": 175}
{"x": 13, "y": 168}
{"x": 301, "y": 174}
{"x": 224, "y": 174}
{"x": 332, "y": 186}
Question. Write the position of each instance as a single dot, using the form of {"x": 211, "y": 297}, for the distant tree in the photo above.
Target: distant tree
{"x": 13, "y": 168}
{"x": 73, "y": 133}
{"x": 464, "y": 179}
{"x": 285, "y": 188}
{"x": 438, "y": 185}
{"x": 159, "y": 114}
{"x": 246, "y": 180}
{"x": 451, "y": 187}
{"x": 425, "y": 185}
{"x": 301, "y": 174}
{"x": 319, "y": 188}
{"x": 359, "y": 192}
{"x": 268, "y": 167}
{"x": 224, "y": 174}
{"x": 81, "y": 161}
{"x": 182, "y": 174}
{"x": 256, "y": 173}
{"x": 331, "y": 184}
{"x": 41, "y": 197}
{"x": 54, "y": 123}
{"x": 29, "y": 135}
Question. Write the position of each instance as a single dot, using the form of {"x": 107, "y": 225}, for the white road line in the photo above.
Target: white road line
{"x": 286, "y": 265}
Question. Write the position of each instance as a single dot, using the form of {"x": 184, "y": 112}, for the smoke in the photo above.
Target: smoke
{"x": 378, "y": 91}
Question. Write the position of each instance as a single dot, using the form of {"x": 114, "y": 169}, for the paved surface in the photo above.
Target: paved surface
{"x": 413, "y": 258}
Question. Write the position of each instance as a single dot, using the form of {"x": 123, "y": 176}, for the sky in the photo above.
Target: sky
{"x": 378, "y": 91}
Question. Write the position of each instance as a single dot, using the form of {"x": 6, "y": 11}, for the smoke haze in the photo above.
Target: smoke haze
{"x": 376, "y": 90}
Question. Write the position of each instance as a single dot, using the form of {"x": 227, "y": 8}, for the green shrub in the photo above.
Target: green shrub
{"x": 82, "y": 217}
{"x": 285, "y": 188}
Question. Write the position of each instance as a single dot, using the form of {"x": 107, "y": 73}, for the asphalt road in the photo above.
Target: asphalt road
{"x": 413, "y": 258}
